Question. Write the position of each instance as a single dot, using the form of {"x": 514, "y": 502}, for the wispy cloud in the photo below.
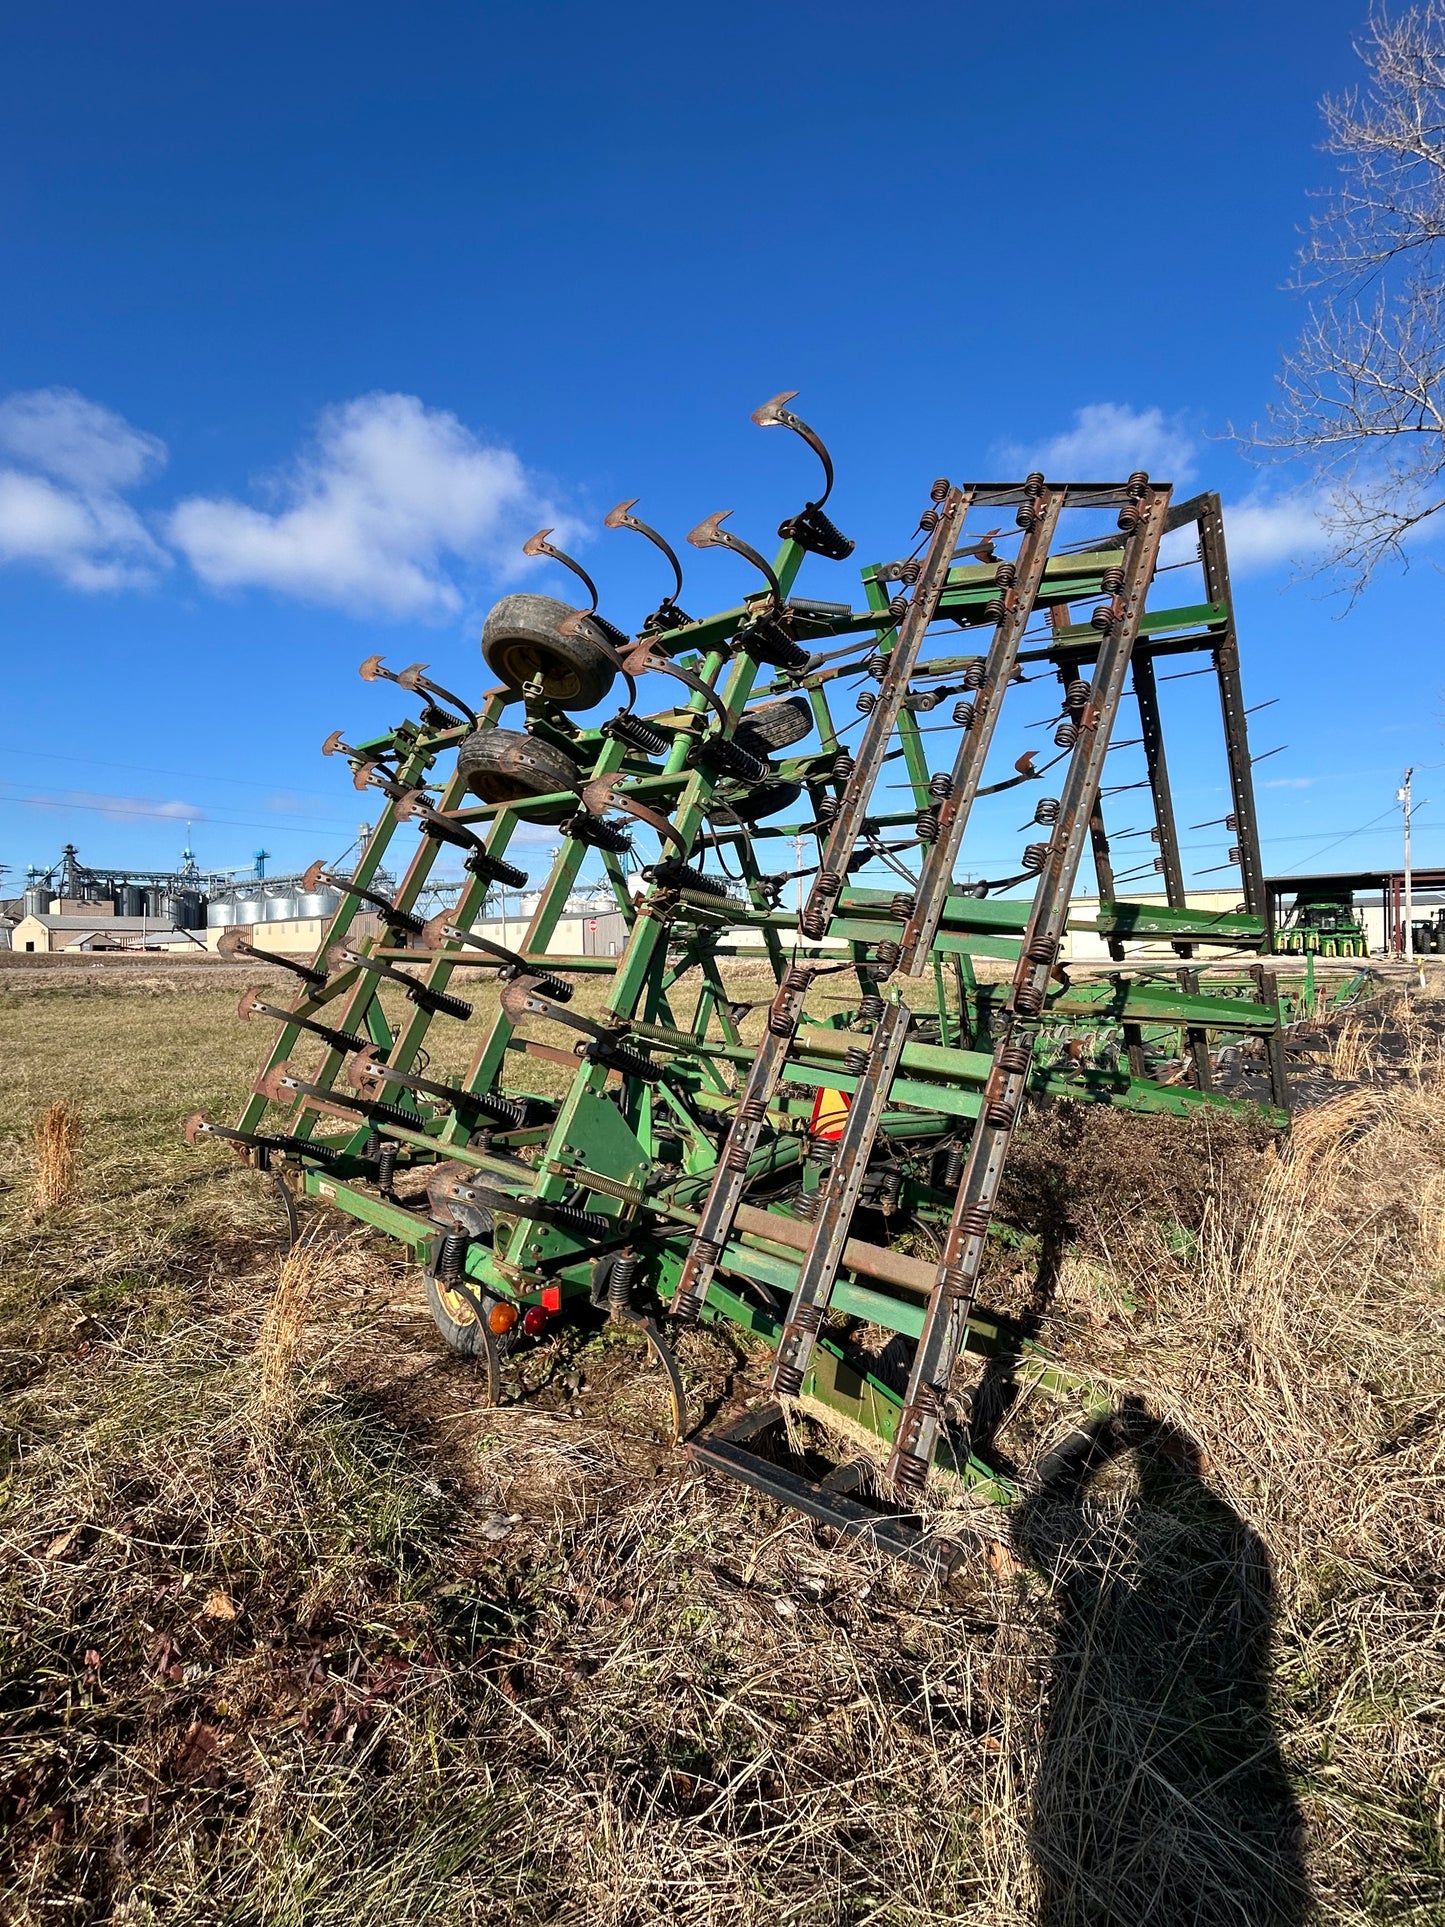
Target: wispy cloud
{"x": 1264, "y": 531}
{"x": 69, "y": 464}
{"x": 1107, "y": 441}
{"x": 1289, "y": 783}
{"x": 382, "y": 514}
{"x": 121, "y": 809}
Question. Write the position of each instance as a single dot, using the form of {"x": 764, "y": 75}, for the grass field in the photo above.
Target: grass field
{"x": 294, "y": 1633}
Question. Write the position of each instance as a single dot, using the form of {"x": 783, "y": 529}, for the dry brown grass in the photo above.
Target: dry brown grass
{"x": 58, "y": 1131}
{"x": 384, "y": 1658}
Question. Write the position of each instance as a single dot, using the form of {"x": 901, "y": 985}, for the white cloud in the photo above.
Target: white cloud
{"x": 1107, "y": 442}
{"x": 379, "y": 516}
{"x": 62, "y": 504}
{"x": 121, "y": 809}
{"x": 1290, "y": 783}
{"x": 1263, "y": 532}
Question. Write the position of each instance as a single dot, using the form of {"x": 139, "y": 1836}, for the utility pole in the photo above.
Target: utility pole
{"x": 1407, "y": 934}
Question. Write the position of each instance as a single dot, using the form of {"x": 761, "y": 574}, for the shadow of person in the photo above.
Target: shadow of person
{"x": 1161, "y": 1798}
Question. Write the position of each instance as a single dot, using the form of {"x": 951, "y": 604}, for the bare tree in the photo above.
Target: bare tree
{"x": 1363, "y": 395}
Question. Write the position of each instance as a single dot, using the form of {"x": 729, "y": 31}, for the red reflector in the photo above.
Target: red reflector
{"x": 534, "y": 1320}
{"x": 551, "y": 1298}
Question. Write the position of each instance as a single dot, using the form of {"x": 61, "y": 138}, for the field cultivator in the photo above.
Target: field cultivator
{"x": 817, "y": 1181}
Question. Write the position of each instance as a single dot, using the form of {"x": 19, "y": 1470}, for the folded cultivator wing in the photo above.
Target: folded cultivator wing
{"x": 780, "y": 1170}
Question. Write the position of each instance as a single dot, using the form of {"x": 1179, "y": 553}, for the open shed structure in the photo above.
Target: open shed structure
{"x": 761, "y": 1168}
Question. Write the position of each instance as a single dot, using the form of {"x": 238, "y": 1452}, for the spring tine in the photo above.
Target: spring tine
{"x": 619, "y": 518}
{"x": 772, "y": 414}
{"x": 712, "y": 535}
{"x": 539, "y": 545}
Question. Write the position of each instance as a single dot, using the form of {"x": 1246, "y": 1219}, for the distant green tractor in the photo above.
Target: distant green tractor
{"x": 1323, "y": 923}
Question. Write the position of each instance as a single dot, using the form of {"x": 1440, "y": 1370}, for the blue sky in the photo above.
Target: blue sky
{"x": 313, "y": 313}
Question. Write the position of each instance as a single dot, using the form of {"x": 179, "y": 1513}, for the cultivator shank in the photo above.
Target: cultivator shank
{"x": 776, "y": 1167}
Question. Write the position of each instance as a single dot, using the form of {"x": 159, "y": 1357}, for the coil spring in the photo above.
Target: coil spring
{"x": 1026, "y": 515}
{"x": 1104, "y": 618}
{"x": 963, "y": 714}
{"x": 583, "y": 1224}
{"x": 787, "y": 1380}
{"x": 925, "y": 826}
{"x": 903, "y": 906}
{"x": 948, "y": 1168}
{"x": 842, "y": 767}
{"x": 1034, "y": 482}
{"x": 736, "y": 1158}
{"x": 674, "y": 875}
{"x": 1028, "y": 1000}
{"x": 1043, "y": 950}
{"x": 940, "y": 786}
{"x": 865, "y": 702}
{"x": 1137, "y": 484}
{"x": 780, "y": 1021}
{"x": 1000, "y": 1114}
{"x": 1078, "y": 694}
{"x": 876, "y": 665}
{"x": 779, "y": 651}
{"x": 1129, "y": 519}
{"x": 827, "y": 884}
{"x": 908, "y": 1471}
{"x": 995, "y": 609}
{"x": 1046, "y": 810}
{"x": 631, "y": 1063}
{"x": 1111, "y": 582}
{"x": 811, "y": 529}
{"x": 973, "y": 1220}
{"x": 1014, "y": 1059}
{"x": 928, "y": 521}
{"x": 1066, "y": 735}
{"x": 557, "y": 988}
{"x": 828, "y": 808}
{"x": 1005, "y": 575}
{"x": 687, "y": 1305}
{"x": 973, "y": 674}
{"x": 440, "y": 1003}
{"x": 492, "y": 869}
{"x": 434, "y": 718}
{"x": 1036, "y": 855}
{"x": 391, "y": 1113}
{"x": 806, "y": 1207}
{"x": 609, "y": 631}
{"x": 870, "y": 1007}
{"x": 898, "y": 607}
{"x": 511, "y": 1111}
{"x": 939, "y": 491}
{"x": 637, "y": 734}
{"x": 621, "y": 1276}
{"x": 706, "y": 1251}
{"x": 855, "y": 1060}
{"x": 452, "y": 1257}
{"x": 731, "y": 759}
{"x": 954, "y": 1283}
{"x": 386, "y": 1167}
{"x": 596, "y": 832}
{"x": 814, "y": 924}
{"x": 886, "y": 957}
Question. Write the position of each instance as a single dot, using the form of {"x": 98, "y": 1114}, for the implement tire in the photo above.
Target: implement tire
{"x": 522, "y": 642}
{"x": 508, "y": 766}
{"x": 774, "y": 726}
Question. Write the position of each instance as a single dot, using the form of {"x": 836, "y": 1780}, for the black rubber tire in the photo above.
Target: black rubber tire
{"x": 751, "y": 806}
{"x": 773, "y": 726}
{"x": 521, "y": 642}
{"x": 508, "y": 766}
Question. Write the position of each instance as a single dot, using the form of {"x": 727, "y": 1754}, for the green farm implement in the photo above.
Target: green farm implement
{"x": 811, "y": 1177}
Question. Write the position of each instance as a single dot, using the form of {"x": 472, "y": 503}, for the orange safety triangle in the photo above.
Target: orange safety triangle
{"x": 830, "y": 1111}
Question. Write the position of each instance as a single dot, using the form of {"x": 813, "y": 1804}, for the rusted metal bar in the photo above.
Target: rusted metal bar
{"x": 946, "y": 1319}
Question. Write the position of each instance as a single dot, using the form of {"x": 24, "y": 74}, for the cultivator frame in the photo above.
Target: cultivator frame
{"x": 685, "y": 1175}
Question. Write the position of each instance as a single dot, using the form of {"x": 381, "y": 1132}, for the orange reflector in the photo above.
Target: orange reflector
{"x": 830, "y": 1112}
{"x": 501, "y": 1318}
